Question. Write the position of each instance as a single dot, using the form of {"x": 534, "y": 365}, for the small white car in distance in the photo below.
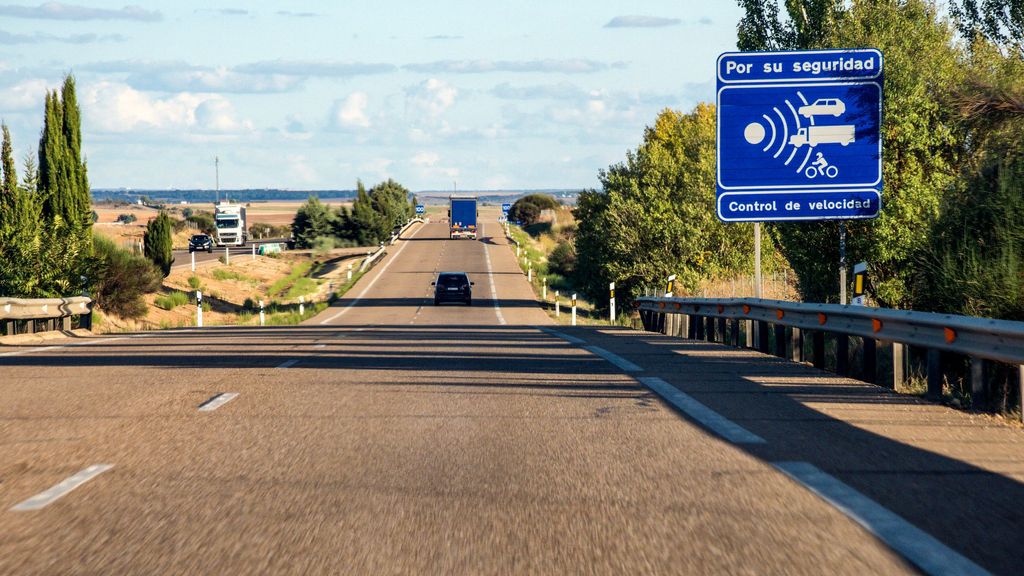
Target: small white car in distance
{"x": 823, "y": 107}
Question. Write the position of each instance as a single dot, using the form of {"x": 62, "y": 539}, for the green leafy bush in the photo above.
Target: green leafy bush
{"x": 172, "y": 300}
{"x": 122, "y": 279}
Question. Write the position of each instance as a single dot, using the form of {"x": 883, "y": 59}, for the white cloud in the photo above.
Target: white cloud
{"x": 351, "y": 112}
{"x": 429, "y": 99}
{"x": 564, "y": 66}
{"x": 425, "y": 158}
{"x": 300, "y": 169}
{"x": 25, "y": 95}
{"x": 111, "y": 107}
{"x": 634, "y": 21}
{"x": 60, "y": 11}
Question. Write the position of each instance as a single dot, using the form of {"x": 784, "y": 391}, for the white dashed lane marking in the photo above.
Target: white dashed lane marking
{"x": 44, "y": 499}
{"x": 288, "y": 363}
{"x": 217, "y": 401}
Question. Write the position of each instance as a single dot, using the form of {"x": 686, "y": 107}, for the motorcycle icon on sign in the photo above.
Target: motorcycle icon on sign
{"x": 822, "y": 167}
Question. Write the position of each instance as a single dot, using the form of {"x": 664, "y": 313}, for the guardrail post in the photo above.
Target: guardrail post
{"x": 736, "y": 332}
{"x": 699, "y": 321}
{"x": 898, "y": 358}
{"x": 722, "y": 331}
{"x": 978, "y": 382}
{"x": 819, "y": 350}
{"x": 842, "y": 354}
{"x": 934, "y": 373}
{"x": 30, "y": 326}
{"x": 780, "y": 340}
{"x": 750, "y": 333}
{"x": 762, "y": 336}
{"x": 66, "y": 323}
{"x": 1020, "y": 386}
{"x": 709, "y": 328}
{"x": 870, "y": 365}
{"x": 796, "y": 343}
{"x": 691, "y": 326}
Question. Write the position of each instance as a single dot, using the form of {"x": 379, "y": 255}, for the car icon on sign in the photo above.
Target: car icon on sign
{"x": 823, "y": 107}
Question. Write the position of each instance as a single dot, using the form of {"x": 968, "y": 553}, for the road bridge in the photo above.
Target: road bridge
{"x": 389, "y": 435}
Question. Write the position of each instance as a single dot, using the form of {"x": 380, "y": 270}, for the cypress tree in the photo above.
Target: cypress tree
{"x": 75, "y": 175}
{"x": 157, "y": 243}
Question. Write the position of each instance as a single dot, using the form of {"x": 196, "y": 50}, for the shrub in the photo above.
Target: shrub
{"x": 562, "y": 260}
{"x": 157, "y": 242}
{"x": 126, "y": 218}
{"x": 203, "y": 221}
{"x": 122, "y": 279}
{"x": 195, "y": 283}
{"x": 172, "y": 300}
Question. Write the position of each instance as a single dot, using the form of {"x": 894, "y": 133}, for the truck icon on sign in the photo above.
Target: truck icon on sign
{"x": 824, "y": 107}
{"x": 814, "y": 135}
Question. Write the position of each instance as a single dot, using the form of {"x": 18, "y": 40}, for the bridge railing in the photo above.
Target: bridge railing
{"x": 719, "y": 319}
{"x": 28, "y": 316}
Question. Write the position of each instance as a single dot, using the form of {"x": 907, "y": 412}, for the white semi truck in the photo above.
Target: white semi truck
{"x": 231, "y": 224}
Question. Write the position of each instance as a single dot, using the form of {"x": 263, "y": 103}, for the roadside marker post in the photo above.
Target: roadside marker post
{"x": 253, "y": 251}
{"x": 558, "y": 305}
{"x": 302, "y": 305}
{"x": 517, "y": 249}
{"x": 529, "y": 272}
{"x": 669, "y": 286}
{"x": 611, "y": 302}
{"x": 263, "y": 318}
{"x": 544, "y": 291}
{"x": 227, "y": 256}
{"x": 860, "y": 276}
{"x": 574, "y": 309}
{"x": 199, "y": 308}
{"x": 350, "y": 272}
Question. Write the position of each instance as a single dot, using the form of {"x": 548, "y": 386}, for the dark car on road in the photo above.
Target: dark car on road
{"x": 200, "y": 242}
{"x": 453, "y": 287}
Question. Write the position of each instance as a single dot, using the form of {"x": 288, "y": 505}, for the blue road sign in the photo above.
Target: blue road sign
{"x": 420, "y": 209}
{"x": 505, "y": 208}
{"x": 798, "y": 135}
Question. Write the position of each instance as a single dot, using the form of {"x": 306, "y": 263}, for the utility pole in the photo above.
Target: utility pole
{"x": 216, "y": 167}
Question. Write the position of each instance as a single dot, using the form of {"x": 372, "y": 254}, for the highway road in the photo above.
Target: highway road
{"x": 389, "y": 435}
{"x": 182, "y": 257}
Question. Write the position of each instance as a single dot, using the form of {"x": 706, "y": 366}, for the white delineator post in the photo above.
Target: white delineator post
{"x": 529, "y": 272}
{"x": 517, "y": 249}
{"x": 558, "y": 305}
{"x": 350, "y": 272}
{"x": 253, "y": 251}
{"x": 302, "y": 305}
{"x": 263, "y": 318}
{"x": 670, "y": 286}
{"x": 544, "y": 291}
{"x": 199, "y": 308}
{"x": 227, "y": 256}
{"x": 574, "y": 309}
{"x": 611, "y": 302}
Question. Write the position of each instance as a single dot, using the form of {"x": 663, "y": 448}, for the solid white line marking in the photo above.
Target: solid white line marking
{"x": 622, "y": 363}
{"x": 217, "y": 401}
{"x": 47, "y": 348}
{"x": 44, "y": 499}
{"x": 372, "y": 282}
{"x": 566, "y": 337}
{"x": 716, "y": 422}
{"x": 320, "y": 346}
{"x": 490, "y": 280}
{"x": 288, "y": 363}
{"x": 917, "y": 546}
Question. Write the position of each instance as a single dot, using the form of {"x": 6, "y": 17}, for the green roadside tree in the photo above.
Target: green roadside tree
{"x": 157, "y": 243}
{"x": 313, "y": 220}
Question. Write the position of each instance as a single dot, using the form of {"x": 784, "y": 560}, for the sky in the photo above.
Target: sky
{"x": 316, "y": 94}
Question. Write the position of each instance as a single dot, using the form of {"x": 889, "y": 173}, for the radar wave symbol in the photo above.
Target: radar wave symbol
{"x": 755, "y": 133}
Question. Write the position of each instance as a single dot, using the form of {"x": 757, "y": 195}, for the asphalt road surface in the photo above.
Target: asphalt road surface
{"x": 389, "y": 435}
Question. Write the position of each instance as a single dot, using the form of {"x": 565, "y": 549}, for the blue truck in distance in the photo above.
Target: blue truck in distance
{"x": 462, "y": 216}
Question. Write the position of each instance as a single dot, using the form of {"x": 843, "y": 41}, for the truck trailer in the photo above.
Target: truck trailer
{"x": 231, "y": 224}
{"x": 462, "y": 216}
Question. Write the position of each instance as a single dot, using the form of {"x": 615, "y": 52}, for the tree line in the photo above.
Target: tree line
{"x": 950, "y": 236}
{"x": 371, "y": 219}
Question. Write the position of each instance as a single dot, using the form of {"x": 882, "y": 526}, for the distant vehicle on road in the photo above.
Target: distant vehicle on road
{"x": 200, "y": 242}
{"x": 814, "y": 135}
{"x": 230, "y": 221}
{"x": 453, "y": 287}
{"x": 824, "y": 107}
{"x": 462, "y": 214}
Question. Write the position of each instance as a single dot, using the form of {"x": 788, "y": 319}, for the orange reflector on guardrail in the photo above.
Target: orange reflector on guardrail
{"x": 876, "y": 325}
{"x": 950, "y": 335}
{"x": 721, "y": 309}
{"x": 661, "y": 305}
{"x": 822, "y": 318}
{"x": 779, "y": 314}
{"x": 679, "y": 306}
{"x": 746, "y": 309}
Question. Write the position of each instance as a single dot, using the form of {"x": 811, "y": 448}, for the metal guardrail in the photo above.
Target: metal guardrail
{"x": 981, "y": 339}
{"x": 999, "y": 340}
{"x": 372, "y": 257}
{"x": 18, "y": 312}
